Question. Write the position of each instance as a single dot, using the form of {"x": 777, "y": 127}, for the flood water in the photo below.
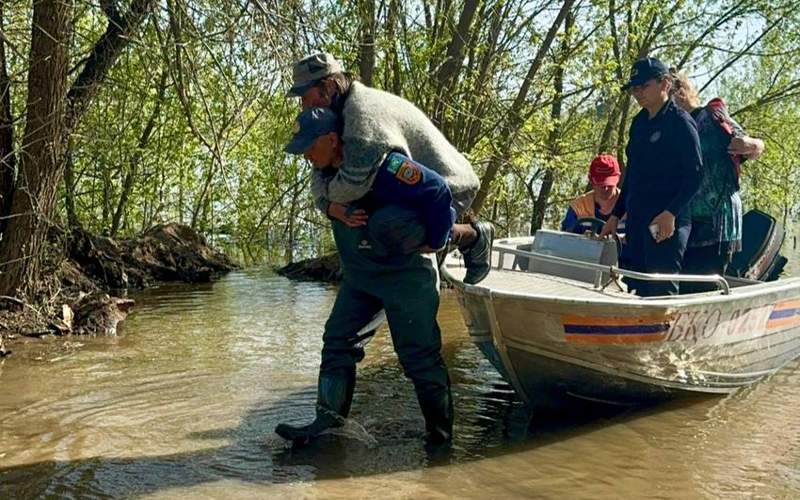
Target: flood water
{"x": 183, "y": 403}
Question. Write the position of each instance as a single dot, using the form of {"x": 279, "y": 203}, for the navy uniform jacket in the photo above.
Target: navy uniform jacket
{"x": 404, "y": 182}
{"x": 663, "y": 172}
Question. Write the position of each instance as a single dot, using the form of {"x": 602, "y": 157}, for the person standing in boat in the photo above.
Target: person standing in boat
{"x": 662, "y": 176}
{"x": 604, "y": 174}
{"x": 716, "y": 210}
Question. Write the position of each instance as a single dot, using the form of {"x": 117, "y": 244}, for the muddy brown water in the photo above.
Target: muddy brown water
{"x": 183, "y": 402}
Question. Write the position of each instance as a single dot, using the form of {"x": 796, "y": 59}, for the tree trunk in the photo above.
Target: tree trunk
{"x": 611, "y": 122}
{"x": 621, "y": 135}
{"x": 69, "y": 190}
{"x": 291, "y": 229}
{"x": 202, "y": 198}
{"x": 540, "y": 205}
{"x": 42, "y": 145}
{"x": 512, "y": 124}
{"x": 52, "y": 114}
{"x": 181, "y": 189}
{"x": 441, "y": 16}
{"x": 366, "y": 49}
{"x": 393, "y": 80}
{"x": 130, "y": 175}
{"x": 472, "y": 125}
{"x": 119, "y": 33}
{"x": 8, "y": 163}
{"x": 449, "y": 70}
{"x": 106, "y": 193}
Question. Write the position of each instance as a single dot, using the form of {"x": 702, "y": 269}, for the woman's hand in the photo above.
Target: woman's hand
{"x": 610, "y": 227}
{"x": 666, "y": 225}
{"x": 749, "y": 147}
{"x": 351, "y": 218}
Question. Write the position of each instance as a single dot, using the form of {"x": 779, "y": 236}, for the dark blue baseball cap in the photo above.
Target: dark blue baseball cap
{"x": 310, "y": 124}
{"x": 645, "y": 69}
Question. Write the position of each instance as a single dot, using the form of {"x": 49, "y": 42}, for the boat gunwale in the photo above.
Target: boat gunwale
{"x": 739, "y": 293}
{"x": 742, "y": 293}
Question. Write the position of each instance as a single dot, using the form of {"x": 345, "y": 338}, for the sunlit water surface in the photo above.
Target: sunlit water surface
{"x": 183, "y": 403}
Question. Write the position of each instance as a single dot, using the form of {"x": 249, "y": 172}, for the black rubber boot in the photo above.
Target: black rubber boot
{"x": 437, "y": 408}
{"x": 478, "y": 256}
{"x": 334, "y": 397}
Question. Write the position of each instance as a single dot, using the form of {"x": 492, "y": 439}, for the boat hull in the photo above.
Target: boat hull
{"x": 621, "y": 349}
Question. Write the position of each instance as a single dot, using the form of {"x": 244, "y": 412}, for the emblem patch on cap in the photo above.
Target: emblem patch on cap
{"x": 656, "y": 136}
{"x": 409, "y": 173}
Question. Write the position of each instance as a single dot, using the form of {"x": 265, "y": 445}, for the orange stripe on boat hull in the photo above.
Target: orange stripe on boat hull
{"x": 792, "y": 304}
{"x": 614, "y": 339}
{"x": 783, "y": 322}
{"x": 569, "y": 319}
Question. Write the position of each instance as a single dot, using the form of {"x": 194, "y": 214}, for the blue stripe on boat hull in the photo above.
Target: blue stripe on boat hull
{"x": 616, "y": 329}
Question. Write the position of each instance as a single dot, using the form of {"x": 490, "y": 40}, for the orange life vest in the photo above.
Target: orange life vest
{"x": 584, "y": 205}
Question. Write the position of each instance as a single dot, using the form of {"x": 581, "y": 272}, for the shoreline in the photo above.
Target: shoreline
{"x": 87, "y": 277}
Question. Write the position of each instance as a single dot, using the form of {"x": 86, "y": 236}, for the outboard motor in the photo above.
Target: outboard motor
{"x": 759, "y": 259}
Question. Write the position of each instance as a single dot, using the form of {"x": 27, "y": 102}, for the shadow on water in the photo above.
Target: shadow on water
{"x": 501, "y": 426}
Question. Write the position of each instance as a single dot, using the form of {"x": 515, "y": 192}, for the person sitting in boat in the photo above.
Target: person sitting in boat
{"x": 604, "y": 174}
{"x": 661, "y": 178}
{"x": 716, "y": 210}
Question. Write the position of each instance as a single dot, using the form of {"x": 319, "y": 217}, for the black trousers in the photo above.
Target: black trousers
{"x": 645, "y": 255}
{"x": 708, "y": 259}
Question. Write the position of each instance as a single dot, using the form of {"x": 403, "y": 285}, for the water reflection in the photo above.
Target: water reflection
{"x": 184, "y": 402}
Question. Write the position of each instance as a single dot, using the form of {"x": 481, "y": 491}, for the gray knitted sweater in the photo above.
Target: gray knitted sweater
{"x": 377, "y": 123}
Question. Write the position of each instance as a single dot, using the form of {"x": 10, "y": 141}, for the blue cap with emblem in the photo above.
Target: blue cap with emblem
{"x": 645, "y": 69}
{"x": 309, "y": 125}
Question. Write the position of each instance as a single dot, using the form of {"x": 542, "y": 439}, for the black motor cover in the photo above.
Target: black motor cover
{"x": 762, "y": 237}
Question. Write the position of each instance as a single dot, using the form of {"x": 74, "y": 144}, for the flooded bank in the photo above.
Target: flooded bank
{"x": 184, "y": 401}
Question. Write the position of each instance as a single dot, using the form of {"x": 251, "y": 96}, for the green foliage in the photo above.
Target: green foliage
{"x": 214, "y": 157}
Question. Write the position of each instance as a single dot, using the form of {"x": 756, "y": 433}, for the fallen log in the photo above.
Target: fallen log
{"x": 326, "y": 268}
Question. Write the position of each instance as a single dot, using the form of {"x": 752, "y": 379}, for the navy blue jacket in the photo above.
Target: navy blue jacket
{"x": 663, "y": 171}
{"x": 404, "y": 182}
